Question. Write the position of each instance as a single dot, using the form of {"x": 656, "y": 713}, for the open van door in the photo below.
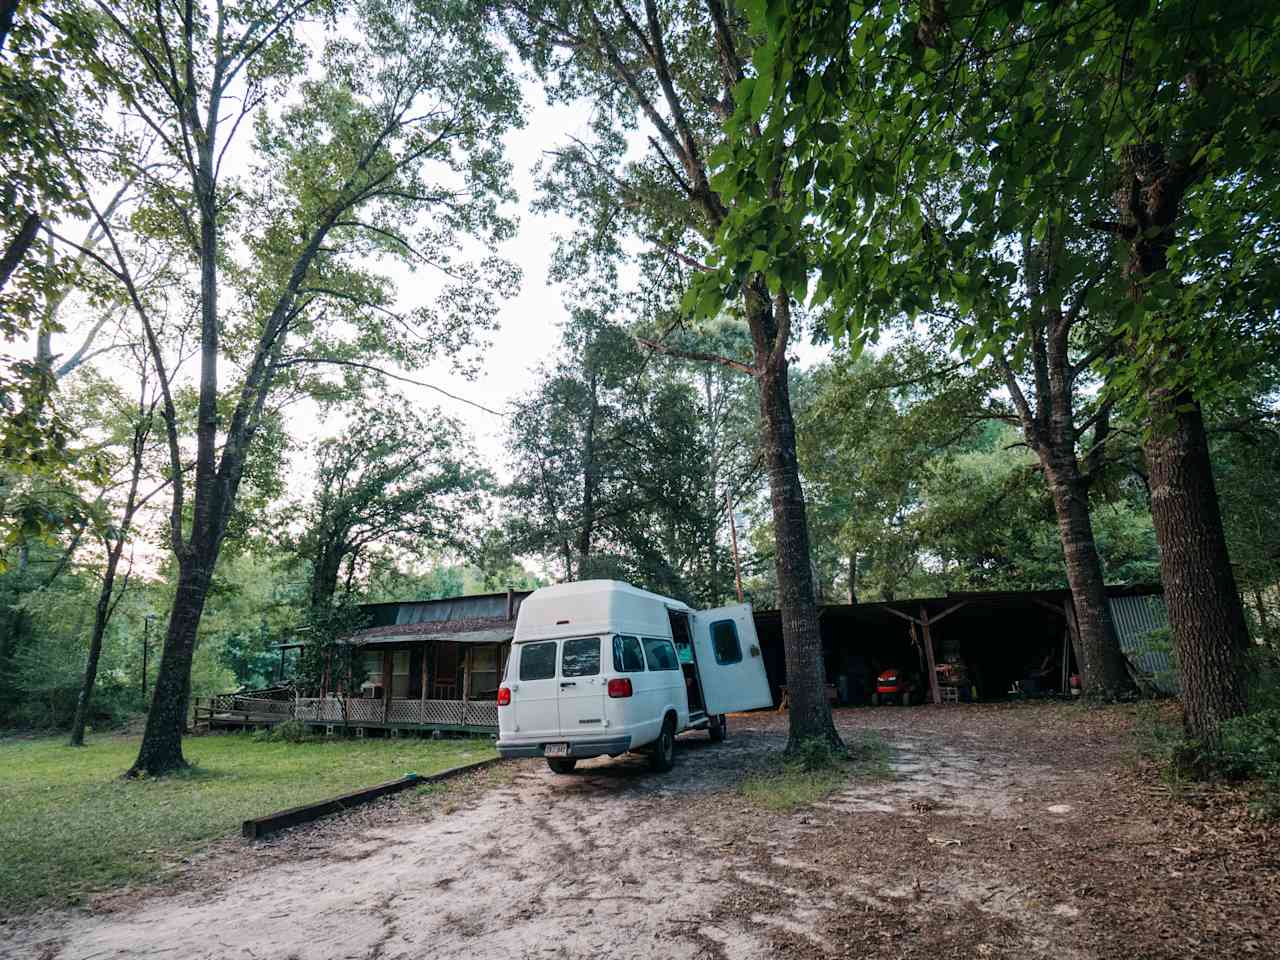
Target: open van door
{"x": 730, "y": 664}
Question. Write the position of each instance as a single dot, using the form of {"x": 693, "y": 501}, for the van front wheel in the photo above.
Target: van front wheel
{"x": 663, "y": 757}
{"x": 561, "y": 764}
{"x": 719, "y": 728}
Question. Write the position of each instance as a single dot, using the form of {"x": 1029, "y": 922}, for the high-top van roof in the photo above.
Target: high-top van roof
{"x": 593, "y": 607}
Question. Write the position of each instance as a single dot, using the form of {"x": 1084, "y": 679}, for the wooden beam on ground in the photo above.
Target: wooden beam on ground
{"x": 259, "y": 827}
{"x": 928, "y": 652}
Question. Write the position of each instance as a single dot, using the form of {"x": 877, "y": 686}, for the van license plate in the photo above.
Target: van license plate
{"x": 555, "y": 750}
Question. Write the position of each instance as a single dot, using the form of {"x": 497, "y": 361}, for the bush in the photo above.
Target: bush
{"x": 290, "y": 731}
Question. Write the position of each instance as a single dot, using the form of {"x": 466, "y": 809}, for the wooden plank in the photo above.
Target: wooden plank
{"x": 928, "y": 652}
{"x": 259, "y": 827}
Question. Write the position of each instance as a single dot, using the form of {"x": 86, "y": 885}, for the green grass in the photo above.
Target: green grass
{"x": 69, "y": 825}
{"x": 815, "y": 771}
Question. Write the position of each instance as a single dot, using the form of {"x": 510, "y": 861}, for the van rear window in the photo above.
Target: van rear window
{"x": 581, "y": 658}
{"x": 627, "y": 657}
{"x": 724, "y": 641}
{"x": 538, "y": 660}
{"x": 661, "y": 654}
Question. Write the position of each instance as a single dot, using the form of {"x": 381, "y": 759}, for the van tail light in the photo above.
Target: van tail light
{"x": 504, "y": 696}
{"x": 619, "y": 687}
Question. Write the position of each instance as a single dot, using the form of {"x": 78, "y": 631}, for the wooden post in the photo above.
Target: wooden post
{"x": 466, "y": 675}
{"x": 511, "y": 603}
{"x": 386, "y": 685}
{"x": 422, "y": 706}
{"x": 928, "y": 653}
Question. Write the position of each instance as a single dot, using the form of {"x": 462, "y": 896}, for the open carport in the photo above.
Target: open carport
{"x": 975, "y": 645}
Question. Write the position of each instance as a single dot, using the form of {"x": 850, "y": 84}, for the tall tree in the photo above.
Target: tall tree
{"x": 389, "y": 147}
{"x": 394, "y": 480}
{"x": 1166, "y": 111}
{"x": 609, "y": 463}
{"x": 679, "y": 69}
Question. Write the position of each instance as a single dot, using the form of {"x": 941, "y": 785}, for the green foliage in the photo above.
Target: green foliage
{"x": 618, "y": 461}
{"x": 290, "y": 731}
{"x": 70, "y": 826}
{"x": 395, "y": 481}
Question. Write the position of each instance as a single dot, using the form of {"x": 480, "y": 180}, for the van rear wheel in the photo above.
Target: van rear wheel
{"x": 561, "y": 764}
{"x": 719, "y": 728}
{"x": 663, "y": 757}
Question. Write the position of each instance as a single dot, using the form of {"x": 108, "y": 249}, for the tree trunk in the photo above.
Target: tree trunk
{"x": 806, "y": 672}
{"x": 161, "y": 750}
{"x": 101, "y": 615}
{"x": 1206, "y": 615}
{"x": 588, "y": 480}
{"x": 1102, "y": 665}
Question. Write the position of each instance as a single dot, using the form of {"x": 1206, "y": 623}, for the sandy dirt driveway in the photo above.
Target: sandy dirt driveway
{"x": 1003, "y": 832}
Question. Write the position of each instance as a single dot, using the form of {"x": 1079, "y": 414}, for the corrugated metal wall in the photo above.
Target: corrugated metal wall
{"x": 1136, "y": 619}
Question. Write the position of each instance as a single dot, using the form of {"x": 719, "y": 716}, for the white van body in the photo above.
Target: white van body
{"x": 599, "y": 668}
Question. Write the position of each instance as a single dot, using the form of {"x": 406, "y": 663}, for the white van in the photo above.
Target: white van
{"x": 598, "y": 668}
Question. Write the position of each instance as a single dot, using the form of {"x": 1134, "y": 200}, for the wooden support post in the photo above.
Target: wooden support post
{"x": 928, "y": 653}
{"x": 422, "y": 705}
{"x": 386, "y": 684}
{"x": 466, "y": 676}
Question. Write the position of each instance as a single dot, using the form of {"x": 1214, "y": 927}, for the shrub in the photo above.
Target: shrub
{"x": 290, "y": 731}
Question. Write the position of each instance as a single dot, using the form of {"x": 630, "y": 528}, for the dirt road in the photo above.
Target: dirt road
{"x": 1005, "y": 832}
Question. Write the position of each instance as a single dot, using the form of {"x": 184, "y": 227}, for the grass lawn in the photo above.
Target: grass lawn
{"x": 69, "y": 824}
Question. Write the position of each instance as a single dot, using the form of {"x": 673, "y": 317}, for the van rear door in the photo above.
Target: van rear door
{"x": 535, "y": 694}
{"x": 581, "y": 687}
{"x": 729, "y": 660}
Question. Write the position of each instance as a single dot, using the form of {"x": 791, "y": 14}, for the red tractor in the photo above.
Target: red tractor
{"x": 897, "y": 686}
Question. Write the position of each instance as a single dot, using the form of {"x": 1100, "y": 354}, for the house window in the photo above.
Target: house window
{"x": 371, "y": 667}
{"x": 400, "y": 675}
{"x": 484, "y": 673}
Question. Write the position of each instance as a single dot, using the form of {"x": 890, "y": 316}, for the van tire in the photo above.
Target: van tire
{"x": 719, "y": 728}
{"x": 561, "y": 764}
{"x": 663, "y": 756}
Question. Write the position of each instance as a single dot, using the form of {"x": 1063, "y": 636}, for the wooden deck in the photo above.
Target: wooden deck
{"x": 330, "y": 714}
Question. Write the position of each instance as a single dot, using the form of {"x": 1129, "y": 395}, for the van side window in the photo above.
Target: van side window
{"x": 538, "y": 660}
{"x": 661, "y": 654}
{"x": 581, "y": 658}
{"x": 724, "y": 641}
{"x": 627, "y": 657}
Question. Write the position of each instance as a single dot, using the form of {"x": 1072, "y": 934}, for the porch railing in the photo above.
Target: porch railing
{"x": 474, "y": 713}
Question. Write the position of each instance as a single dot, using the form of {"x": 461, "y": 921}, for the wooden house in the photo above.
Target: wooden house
{"x": 426, "y": 665}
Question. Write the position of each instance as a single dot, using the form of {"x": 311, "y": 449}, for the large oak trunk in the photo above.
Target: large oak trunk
{"x": 1102, "y": 664}
{"x": 806, "y": 672}
{"x": 1206, "y": 615}
{"x": 161, "y": 750}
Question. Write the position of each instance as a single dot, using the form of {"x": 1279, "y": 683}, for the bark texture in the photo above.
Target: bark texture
{"x": 1206, "y": 612}
{"x": 802, "y": 640}
{"x": 1210, "y": 633}
{"x": 1048, "y": 419}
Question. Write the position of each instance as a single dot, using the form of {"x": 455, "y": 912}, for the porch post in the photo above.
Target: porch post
{"x": 422, "y": 705}
{"x": 386, "y": 685}
{"x": 928, "y": 652}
